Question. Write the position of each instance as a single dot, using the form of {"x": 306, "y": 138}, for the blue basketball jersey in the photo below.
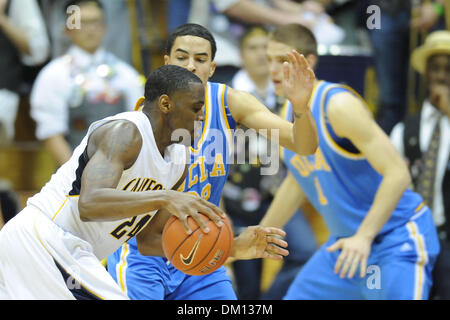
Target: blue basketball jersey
{"x": 211, "y": 154}
{"x": 147, "y": 277}
{"x": 338, "y": 180}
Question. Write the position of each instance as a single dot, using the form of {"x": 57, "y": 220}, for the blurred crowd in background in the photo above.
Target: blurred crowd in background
{"x": 60, "y": 71}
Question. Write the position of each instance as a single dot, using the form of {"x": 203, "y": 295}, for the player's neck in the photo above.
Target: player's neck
{"x": 161, "y": 131}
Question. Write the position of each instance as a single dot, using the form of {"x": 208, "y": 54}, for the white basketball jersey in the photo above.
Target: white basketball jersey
{"x": 58, "y": 199}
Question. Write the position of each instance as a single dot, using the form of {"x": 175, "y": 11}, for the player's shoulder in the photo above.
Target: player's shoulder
{"x": 119, "y": 132}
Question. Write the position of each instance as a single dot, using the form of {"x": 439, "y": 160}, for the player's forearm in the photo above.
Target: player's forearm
{"x": 288, "y": 199}
{"x": 305, "y": 138}
{"x": 107, "y": 204}
{"x": 386, "y": 199}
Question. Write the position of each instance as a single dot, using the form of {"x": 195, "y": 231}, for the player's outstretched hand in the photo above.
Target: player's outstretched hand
{"x": 298, "y": 81}
{"x": 184, "y": 205}
{"x": 354, "y": 252}
{"x": 260, "y": 242}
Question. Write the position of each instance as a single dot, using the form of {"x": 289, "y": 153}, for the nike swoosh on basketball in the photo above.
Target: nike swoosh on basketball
{"x": 188, "y": 260}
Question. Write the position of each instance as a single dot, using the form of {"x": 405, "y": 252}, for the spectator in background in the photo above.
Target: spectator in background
{"x": 423, "y": 138}
{"x": 254, "y": 76}
{"x": 85, "y": 85}
{"x": 23, "y": 42}
{"x": 227, "y": 20}
{"x": 247, "y": 194}
{"x": 117, "y": 38}
{"x": 391, "y": 43}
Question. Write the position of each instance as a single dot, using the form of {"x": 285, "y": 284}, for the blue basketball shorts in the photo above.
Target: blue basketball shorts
{"x": 155, "y": 278}
{"x": 399, "y": 268}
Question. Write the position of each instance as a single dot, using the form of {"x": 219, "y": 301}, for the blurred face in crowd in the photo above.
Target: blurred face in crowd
{"x": 194, "y": 54}
{"x": 438, "y": 75}
{"x": 253, "y": 54}
{"x": 90, "y": 36}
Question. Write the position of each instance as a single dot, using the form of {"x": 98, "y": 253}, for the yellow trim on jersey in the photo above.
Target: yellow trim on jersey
{"x": 337, "y": 148}
{"x": 225, "y": 118}
{"x": 420, "y": 206}
{"x": 123, "y": 264}
{"x": 419, "y": 272}
{"x": 139, "y": 103}
{"x": 206, "y": 125}
{"x": 37, "y": 235}
{"x": 54, "y": 216}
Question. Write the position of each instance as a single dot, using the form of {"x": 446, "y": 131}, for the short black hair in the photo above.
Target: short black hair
{"x": 81, "y": 2}
{"x": 191, "y": 29}
{"x": 167, "y": 80}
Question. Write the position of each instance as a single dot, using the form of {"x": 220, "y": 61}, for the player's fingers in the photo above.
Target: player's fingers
{"x": 183, "y": 218}
{"x": 199, "y": 221}
{"x": 286, "y": 71}
{"x": 214, "y": 208}
{"x": 346, "y": 265}
{"x": 271, "y": 248}
{"x": 363, "y": 268}
{"x": 340, "y": 260}
{"x": 276, "y": 240}
{"x": 335, "y": 246}
{"x": 206, "y": 210}
{"x": 354, "y": 266}
{"x": 277, "y": 231}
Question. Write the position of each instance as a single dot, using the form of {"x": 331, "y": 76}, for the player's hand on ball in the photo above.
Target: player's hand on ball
{"x": 184, "y": 205}
{"x": 260, "y": 242}
{"x": 354, "y": 252}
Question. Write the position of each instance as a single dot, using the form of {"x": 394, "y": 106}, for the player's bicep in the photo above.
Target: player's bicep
{"x": 112, "y": 148}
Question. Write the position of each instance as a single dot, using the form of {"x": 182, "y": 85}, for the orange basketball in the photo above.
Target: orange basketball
{"x": 198, "y": 253}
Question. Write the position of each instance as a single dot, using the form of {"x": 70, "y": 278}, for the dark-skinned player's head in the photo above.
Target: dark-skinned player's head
{"x": 176, "y": 96}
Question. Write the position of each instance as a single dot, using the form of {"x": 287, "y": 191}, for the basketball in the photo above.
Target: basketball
{"x": 198, "y": 253}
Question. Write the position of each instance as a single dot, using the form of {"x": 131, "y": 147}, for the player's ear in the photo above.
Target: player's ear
{"x": 165, "y": 104}
{"x": 312, "y": 60}
{"x": 166, "y": 59}
{"x": 212, "y": 68}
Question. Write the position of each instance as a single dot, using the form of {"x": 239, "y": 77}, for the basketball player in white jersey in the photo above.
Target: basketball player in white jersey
{"x": 116, "y": 180}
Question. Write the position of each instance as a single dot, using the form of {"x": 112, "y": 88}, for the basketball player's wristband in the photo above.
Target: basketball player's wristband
{"x": 438, "y": 8}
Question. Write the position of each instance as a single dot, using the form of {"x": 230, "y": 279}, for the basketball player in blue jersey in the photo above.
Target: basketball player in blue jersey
{"x": 192, "y": 46}
{"x": 382, "y": 241}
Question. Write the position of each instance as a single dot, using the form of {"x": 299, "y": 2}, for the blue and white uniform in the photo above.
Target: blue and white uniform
{"x": 155, "y": 278}
{"x": 341, "y": 184}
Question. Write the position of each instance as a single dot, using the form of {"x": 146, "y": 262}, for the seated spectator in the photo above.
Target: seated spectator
{"x": 227, "y": 20}
{"x": 85, "y": 85}
{"x": 424, "y": 138}
{"x": 254, "y": 76}
{"x": 23, "y": 42}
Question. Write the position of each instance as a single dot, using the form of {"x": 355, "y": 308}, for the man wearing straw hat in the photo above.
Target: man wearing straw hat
{"x": 424, "y": 138}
